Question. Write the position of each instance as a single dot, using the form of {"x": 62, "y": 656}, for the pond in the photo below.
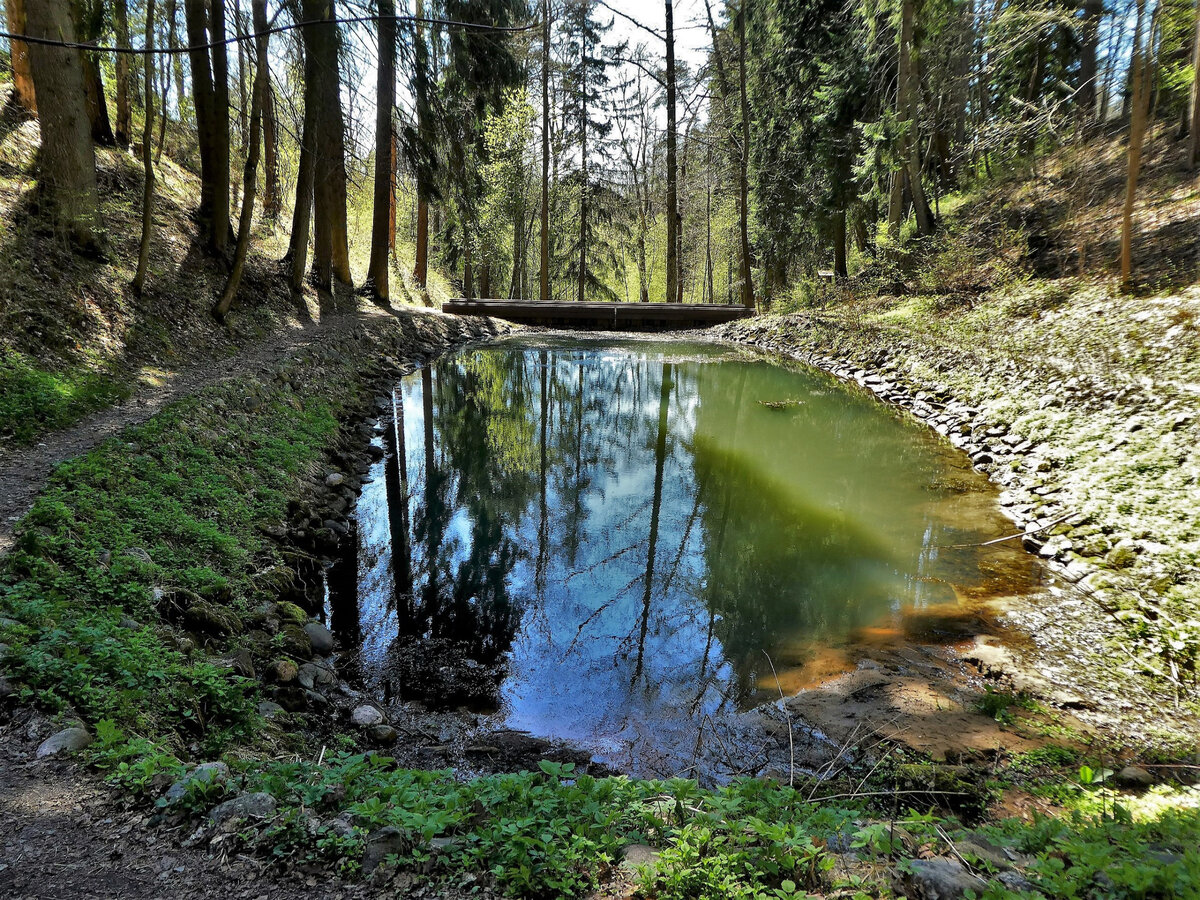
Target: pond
{"x": 633, "y": 546}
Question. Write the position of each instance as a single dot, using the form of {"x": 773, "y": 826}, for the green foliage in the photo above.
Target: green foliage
{"x": 999, "y": 704}
{"x": 170, "y": 508}
{"x": 34, "y": 400}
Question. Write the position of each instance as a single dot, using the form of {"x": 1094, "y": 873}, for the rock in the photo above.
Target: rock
{"x": 129, "y": 624}
{"x": 290, "y": 612}
{"x": 387, "y": 841}
{"x": 284, "y": 670}
{"x": 334, "y": 479}
{"x": 269, "y": 710}
{"x": 247, "y": 806}
{"x": 4, "y": 652}
{"x": 203, "y": 775}
{"x": 1016, "y": 882}
{"x": 320, "y": 636}
{"x": 366, "y": 715}
{"x": 312, "y": 676}
{"x": 243, "y": 663}
{"x": 69, "y": 740}
{"x": 1135, "y": 776}
{"x": 1121, "y": 556}
{"x": 639, "y": 855}
{"x": 211, "y": 618}
{"x": 383, "y": 734}
{"x": 7, "y": 688}
{"x": 296, "y": 642}
{"x": 938, "y": 879}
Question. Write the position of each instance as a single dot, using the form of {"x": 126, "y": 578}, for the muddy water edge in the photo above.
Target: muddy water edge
{"x": 914, "y": 678}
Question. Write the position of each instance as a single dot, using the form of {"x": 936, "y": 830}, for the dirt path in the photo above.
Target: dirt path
{"x": 24, "y": 470}
{"x": 63, "y": 837}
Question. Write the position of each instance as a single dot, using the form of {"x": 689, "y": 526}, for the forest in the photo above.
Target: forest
{"x": 324, "y": 573}
{"x": 539, "y": 152}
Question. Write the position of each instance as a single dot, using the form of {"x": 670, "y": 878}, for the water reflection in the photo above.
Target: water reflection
{"x": 614, "y": 543}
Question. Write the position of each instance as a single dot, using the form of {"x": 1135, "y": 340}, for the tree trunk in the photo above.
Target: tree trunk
{"x": 22, "y": 75}
{"x": 331, "y": 253}
{"x": 1194, "y": 134}
{"x": 910, "y": 145}
{"x": 272, "y": 197}
{"x": 743, "y": 171}
{"x": 166, "y": 81}
{"x": 261, "y": 79}
{"x": 97, "y": 105}
{"x": 124, "y": 130}
{"x": 544, "y": 251}
{"x": 220, "y": 123}
{"x": 583, "y": 178}
{"x": 424, "y": 189}
{"x": 139, "y": 278}
{"x": 67, "y": 159}
{"x": 211, "y": 105}
{"x": 672, "y": 211}
{"x": 385, "y": 99}
{"x": 839, "y": 244}
{"x": 1089, "y": 58}
{"x": 302, "y": 211}
{"x": 1137, "y": 132}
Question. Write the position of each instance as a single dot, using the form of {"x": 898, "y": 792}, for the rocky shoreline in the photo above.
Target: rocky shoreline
{"x": 1090, "y": 559}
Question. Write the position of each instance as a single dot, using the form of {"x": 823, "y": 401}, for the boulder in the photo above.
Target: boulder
{"x": 269, "y": 709}
{"x": 211, "y": 618}
{"x": 381, "y": 844}
{"x": 69, "y": 740}
{"x": 383, "y": 734}
{"x": 1135, "y": 776}
{"x": 296, "y": 642}
{"x": 247, "y": 806}
{"x": 320, "y": 636}
{"x": 366, "y": 715}
{"x": 938, "y": 879}
{"x": 284, "y": 670}
{"x": 334, "y": 479}
{"x": 203, "y": 775}
{"x": 311, "y": 675}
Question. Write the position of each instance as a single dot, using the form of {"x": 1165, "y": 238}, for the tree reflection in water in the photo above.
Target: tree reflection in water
{"x": 600, "y": 541}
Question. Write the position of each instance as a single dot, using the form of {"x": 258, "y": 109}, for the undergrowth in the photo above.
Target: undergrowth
{"x": 34, "y": 400}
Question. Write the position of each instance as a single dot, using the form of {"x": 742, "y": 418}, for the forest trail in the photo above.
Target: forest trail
{"x": 61, "y": 836}
{"x": 25, "y": 470}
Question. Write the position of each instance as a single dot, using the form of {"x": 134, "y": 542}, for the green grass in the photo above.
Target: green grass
{"x": 34, "y": 400}
{"x": 121, "y": 535}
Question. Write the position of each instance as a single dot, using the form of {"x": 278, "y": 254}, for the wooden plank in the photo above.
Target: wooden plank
{"x": 602, "y": 316}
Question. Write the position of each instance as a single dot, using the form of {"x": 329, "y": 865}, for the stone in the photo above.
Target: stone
{"x": 938, "y": 879}
{"x": 385, "y": 842}
{"x": 366, "y": 715}
{"x": 312, "y": 676}
{"x": 247, "y": 806}
{"x": 296, "y": 642}
{"x": 320, "y": 636}
{"x": 1121, "y": 556}
{"x": 7, "y": 688}
{"x": 1135, "y": 776}
{"x": 284, "y": 670}
{"x": 383, "y": 734}
{"x": 243, "y": 663}
{"x": 211, "y": 618}
{"x": 203, "y": 775}
{"x": 290, "y": 612}
{"x": 269, "y": 709}
{"x": 334, "y": 479}
{"x": 637, "y": 856}
{"x": 69, "y": 740}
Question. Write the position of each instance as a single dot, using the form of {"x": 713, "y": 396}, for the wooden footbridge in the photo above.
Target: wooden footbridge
{"x": 602, "y": 316}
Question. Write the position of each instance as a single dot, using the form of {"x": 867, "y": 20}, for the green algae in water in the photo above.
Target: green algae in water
{"x": 621, "y": 538}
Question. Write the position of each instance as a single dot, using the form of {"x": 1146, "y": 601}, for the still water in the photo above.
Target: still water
{"x": 630, "y": 544}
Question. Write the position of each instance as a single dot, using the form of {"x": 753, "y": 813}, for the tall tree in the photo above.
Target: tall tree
{"x": 419, "y": 145}
{"x": 139, "y": 278}
{"x": 261, "y": 80}
{"x": 302, "y": 209}
{"x": 67, "y": 159}
{"x": 544, "y": 248}
{"x": 385, "y": 99}
{"x": 14, "y": 12}
{"x": 124, "y": 129}
{"x": 672, "y": 212}
{"x": 210, "y": 98}
{"x": 331, "y": 251}
{"x": 1140, "y": 66}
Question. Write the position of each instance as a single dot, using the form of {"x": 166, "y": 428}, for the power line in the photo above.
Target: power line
{"x": 278, "y": 29}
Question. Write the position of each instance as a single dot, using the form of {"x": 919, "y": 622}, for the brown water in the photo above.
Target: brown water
{"x": 630, "y": 545}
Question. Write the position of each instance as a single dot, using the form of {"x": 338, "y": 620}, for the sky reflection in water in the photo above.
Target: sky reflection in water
{"x": 614, "y": 533}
